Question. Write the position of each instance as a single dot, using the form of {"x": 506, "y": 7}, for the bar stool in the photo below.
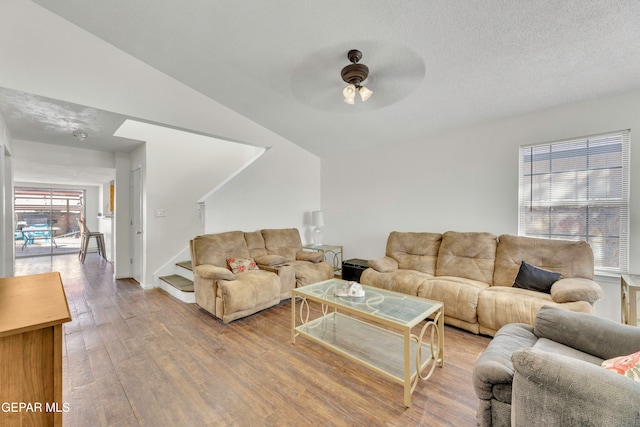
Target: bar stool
{"x": 85, "y": 237}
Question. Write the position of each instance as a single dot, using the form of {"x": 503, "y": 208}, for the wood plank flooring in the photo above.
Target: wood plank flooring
{"x": 143, "y": 358}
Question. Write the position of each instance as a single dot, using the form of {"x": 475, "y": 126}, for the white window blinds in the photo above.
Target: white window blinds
{"x": 579, "y": 190}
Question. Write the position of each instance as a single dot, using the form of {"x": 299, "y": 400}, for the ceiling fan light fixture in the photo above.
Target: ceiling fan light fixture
{"x": 354, "y": 74}
{"x": 349, "y": 94}
{"x": 365, "y": 93}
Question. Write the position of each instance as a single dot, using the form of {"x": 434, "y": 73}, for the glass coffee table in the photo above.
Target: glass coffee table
{"x": 374, "y": 330}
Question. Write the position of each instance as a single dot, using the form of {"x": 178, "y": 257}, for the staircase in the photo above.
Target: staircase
{"x": 180, "y": 284}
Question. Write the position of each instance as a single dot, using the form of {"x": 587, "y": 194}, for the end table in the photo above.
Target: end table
{"x": 630, "y": 285}
{"x": 334, "y": 252}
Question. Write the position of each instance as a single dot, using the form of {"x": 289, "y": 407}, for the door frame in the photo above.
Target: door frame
{"x": 137, "y": 224}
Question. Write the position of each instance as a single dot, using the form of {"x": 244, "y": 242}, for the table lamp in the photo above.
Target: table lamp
{"x": 317, "y": 221}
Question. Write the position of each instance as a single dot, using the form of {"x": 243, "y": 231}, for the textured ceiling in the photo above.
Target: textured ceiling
{"x": 37, "y": 118}
{"x": 434, "y": 65}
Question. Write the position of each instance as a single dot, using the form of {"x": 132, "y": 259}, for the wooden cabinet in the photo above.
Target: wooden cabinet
{"x": 32, "y": 311}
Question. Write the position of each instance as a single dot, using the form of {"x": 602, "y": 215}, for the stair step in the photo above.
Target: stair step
{"x": 178, "y": 282}
{"x": 185, "y": 264}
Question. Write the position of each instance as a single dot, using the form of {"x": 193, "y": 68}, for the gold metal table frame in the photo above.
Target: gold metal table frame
{"x": 332, "y": 254}
{"x": 380, "y": 337}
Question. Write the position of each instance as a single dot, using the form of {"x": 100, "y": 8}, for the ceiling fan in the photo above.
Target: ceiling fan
{"x": 354, "y": 74}
{"x": 393, "y": 73}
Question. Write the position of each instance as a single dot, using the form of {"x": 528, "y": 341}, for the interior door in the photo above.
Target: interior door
{"x": 136, "y": 225}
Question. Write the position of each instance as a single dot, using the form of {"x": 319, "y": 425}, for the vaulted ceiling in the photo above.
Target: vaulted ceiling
{"x": 434, "y": 64}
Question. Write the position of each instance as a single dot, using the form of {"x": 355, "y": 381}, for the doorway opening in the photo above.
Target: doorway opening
{"x": 46, "y": 221}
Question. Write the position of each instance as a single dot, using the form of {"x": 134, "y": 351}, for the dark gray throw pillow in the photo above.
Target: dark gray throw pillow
{"x": 535, "y": 279}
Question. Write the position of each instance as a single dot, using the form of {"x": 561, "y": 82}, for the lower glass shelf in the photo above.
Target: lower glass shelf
{"x": 379, "y": 349}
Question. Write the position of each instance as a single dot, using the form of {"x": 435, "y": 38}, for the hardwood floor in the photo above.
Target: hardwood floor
{"x": 142, "y": 358}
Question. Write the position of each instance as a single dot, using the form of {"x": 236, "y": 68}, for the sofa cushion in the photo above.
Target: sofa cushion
{"x": 534, "y": 278}
{"x": 551, "y": 346}
{"x": 628, "y": 365}
{"x": 499, "y": 305}
{"x": 240, "y": 265}
{"x": 215, "y": 249}
{"x": 569, "y": 258}
{"x": 414, "y": 251}
{"x": 311, "y": 272}
{"x": 404, "y": 281}
{"x": 282, "y": 241}
{"x": 459, "y": 295}
{"x": 373, "y": 277}
{"x": 251, "y": 289}
{"x": 470, "y": 255}
{"x": 255, "y": 244}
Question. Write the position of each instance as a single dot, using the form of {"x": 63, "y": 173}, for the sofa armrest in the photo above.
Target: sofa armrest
{"x": 588, "y": 333}
{"x": 555, "y": 390}
{"x": 383, "y": 264}
{"x": 212, "y": 272}
{"x": 270, "y": 260}
{"x": 576, "y": 289}
{"x": 310, "y": 256}
{"x": 287, "y": 275}
{"x": 493, "y": 370}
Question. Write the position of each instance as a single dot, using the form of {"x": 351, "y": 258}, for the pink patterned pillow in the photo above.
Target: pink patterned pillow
{"x": 240, "y": 265}
{"x": 628, "y": 366}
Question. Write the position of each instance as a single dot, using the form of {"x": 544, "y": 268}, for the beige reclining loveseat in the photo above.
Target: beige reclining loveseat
{"x": 270, "y": 263}
{"x": 473, "y": 274}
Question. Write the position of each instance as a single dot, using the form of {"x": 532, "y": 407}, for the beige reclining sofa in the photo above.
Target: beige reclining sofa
{"x": 268, "y": 263}
{"x": 473, "y": 274}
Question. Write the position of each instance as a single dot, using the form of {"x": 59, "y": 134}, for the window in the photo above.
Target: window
{"x": 579, "y": 190}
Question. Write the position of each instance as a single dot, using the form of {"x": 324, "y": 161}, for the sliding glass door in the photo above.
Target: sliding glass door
{"x": 46, "y": 221}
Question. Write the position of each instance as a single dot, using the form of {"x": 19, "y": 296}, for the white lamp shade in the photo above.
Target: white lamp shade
{"x": 365, "y": 93}
{"x": 317, "y": 218}
{"x": 349, "y": 91}
{"x": 349, "y": 94}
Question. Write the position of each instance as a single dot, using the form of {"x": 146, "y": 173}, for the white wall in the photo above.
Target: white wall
{"x": 121, "y": 226}
{"x": 279, "y": 190}
{"x": 51, "y": 157}
{"x": 179, "y": 170}
{"x": 464, "y": 180}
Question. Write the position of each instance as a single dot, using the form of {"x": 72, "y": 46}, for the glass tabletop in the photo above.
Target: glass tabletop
{"x": 405, "y": 310}
{"x": 321, "y": 247}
